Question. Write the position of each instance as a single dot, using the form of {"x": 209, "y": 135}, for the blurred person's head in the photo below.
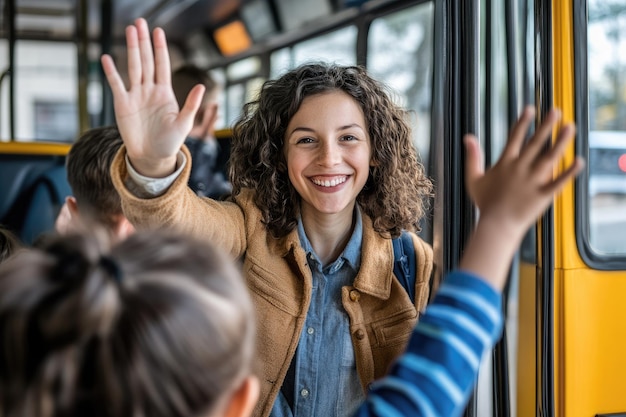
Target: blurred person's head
{"x": 158, "y": 326}
{"x": 95, "y": 201}
{"x": 9, "y": 243}
{"x": 183, "y": 81}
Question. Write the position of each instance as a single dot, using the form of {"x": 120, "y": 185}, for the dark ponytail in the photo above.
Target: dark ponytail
{"x": 57, "y": 304}
{"x": 159, "y": 326}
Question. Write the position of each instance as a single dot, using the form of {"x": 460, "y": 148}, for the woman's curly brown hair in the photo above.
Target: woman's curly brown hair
{"x": 397, "y": 189}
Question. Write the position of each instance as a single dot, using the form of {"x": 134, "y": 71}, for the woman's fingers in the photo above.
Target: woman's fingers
{"x": 134, "y": 57}
{"x": 145, "y": 50}
{"x": 161, "y": 58}
{"x": 113, "y": 77}
{"x": 192, "y": 104}
{"x": 145, "y": 65}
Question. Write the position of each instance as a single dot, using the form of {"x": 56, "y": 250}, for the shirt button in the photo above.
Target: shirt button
{"x": 360, "y": 334}
{"x": 304, "y": 392}
{"x": 355, "y": 295}
{"x": 310, "y": 330}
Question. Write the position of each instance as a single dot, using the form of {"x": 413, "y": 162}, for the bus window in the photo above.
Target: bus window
{"x": 45, "y": 91}
{"x": 242, "y": 85}
{"x": 338, "y": 47}
{"x": 235, "y": 99}
{"x": 220, "y": 77}
{"x": 498, "y": 89}
{"x": 280, "y": 61}
{"x": 399, "y": 52}
{"x": 607, "y": 128}
{"x": 236, "y": 96}
{"x": 244, "y": 68}
{"x": 55, "y": 120}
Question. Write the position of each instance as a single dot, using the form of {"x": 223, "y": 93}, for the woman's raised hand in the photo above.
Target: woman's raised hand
{"x": 151, "y": 124}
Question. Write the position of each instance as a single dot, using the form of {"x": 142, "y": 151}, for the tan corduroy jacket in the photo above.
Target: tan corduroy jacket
{"x": 380, "y": 311}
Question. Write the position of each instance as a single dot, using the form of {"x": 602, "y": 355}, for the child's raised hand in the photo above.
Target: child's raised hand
{"x": 520, "y": 186}
{"x": 147, "y": 114}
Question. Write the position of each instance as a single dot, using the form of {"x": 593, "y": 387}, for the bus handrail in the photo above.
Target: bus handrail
{"x": 34, "y": 148}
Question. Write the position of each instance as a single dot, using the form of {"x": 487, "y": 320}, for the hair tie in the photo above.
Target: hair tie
{"x": 112, "y": 267}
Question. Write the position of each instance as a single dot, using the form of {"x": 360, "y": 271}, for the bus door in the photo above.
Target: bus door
{"x": 572, "y": 306}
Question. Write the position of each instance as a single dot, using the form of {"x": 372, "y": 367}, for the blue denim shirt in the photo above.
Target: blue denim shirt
{"x": 326, "y": 380}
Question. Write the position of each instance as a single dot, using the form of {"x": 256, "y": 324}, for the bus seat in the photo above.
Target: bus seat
{"x": 32, "y": 190}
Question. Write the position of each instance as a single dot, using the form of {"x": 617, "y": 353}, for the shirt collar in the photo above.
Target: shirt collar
{"x": 351, "y": 253}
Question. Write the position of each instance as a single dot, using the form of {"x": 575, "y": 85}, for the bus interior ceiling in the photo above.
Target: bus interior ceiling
{"x": 186, "y": 22}
{"x": 61, "y": 19}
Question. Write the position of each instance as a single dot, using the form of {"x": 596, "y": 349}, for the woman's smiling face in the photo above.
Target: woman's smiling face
{"x": 328, "y": 152}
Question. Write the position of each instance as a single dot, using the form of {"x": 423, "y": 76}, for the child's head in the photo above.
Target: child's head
{"x": 184, "y": 79}
{"x": 395, "y": 193}
{"x": 9, "y": 243}
{"x": 88, "y": 165}
{"x": 158, "y": 326}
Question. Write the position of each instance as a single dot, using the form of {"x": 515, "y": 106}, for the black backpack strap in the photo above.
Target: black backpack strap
{"x": 289, "y": 384}
{"x": 404, "y": 262}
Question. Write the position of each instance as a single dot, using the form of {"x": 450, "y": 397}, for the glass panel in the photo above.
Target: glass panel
{"x": 607, "y": 126}
{"x": 280, "y": 61}
{"x": 399, "y": 52}
{"x": 494, "y": 106}
{"x": 235, "y": 99}
{"x": 242, "y": 88}
{"x": 245, "y": 68}
{"x": 499, "y": 82}
{"x": 55, "y": 120}
{"x": 236, "y": 96}
{"x": 45, "y": 91}
{"x": 338, "y": 47}
{"x": 220, "y": 77}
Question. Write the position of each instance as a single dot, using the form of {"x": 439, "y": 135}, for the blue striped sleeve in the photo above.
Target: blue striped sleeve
{"x": 436, "y": 374}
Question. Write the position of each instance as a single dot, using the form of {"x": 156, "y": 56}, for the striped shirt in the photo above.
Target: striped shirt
{"x": 437, "y": 373}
